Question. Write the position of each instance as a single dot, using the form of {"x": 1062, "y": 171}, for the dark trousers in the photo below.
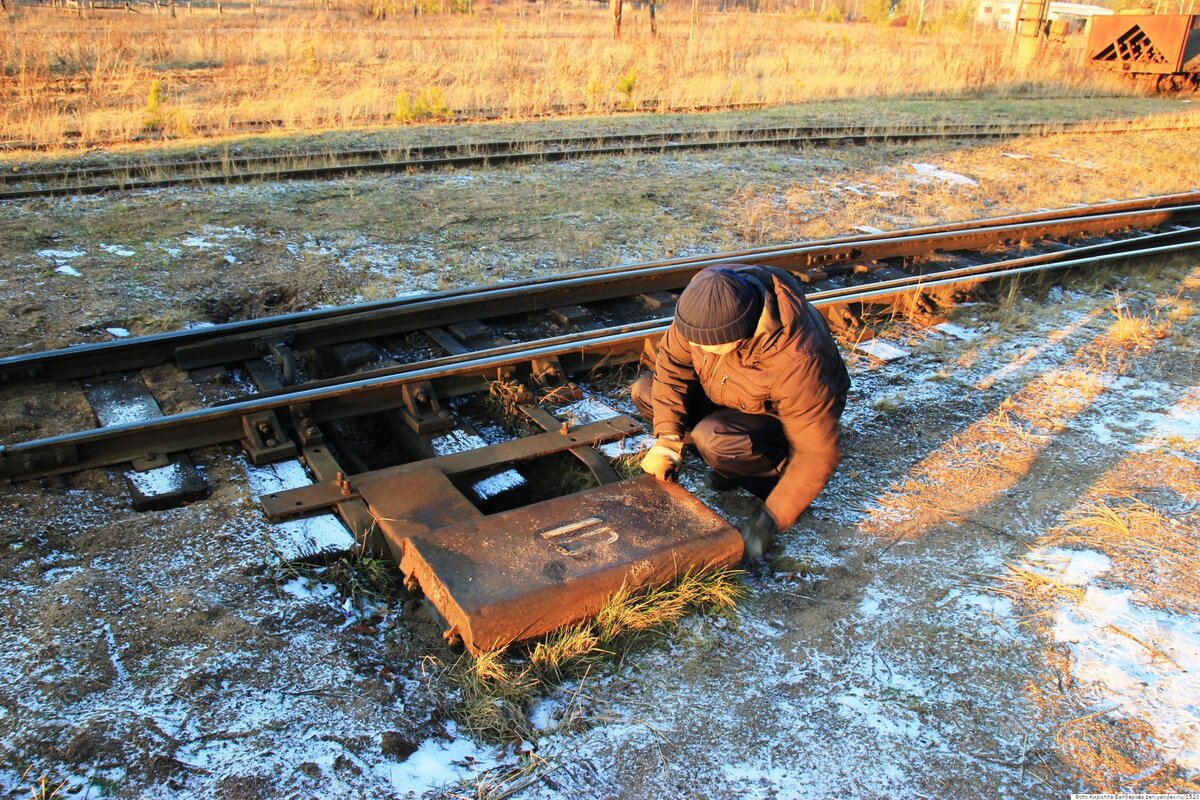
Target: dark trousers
{"x": 748, "y": 449}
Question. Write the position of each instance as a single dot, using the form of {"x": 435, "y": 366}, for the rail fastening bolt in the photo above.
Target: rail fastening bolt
{"x": 272, "y": 443}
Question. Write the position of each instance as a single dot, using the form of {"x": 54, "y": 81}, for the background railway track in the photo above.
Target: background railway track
{"x": 352, "y": 387}
{"x": 233, "y": 168}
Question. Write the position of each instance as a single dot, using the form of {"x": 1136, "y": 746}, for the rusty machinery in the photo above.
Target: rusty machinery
{"x": 1164, "y": 48}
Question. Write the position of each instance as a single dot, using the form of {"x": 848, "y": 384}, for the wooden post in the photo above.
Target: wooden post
{"x": 616, "y": 9}
{"x": 653, "y": 21}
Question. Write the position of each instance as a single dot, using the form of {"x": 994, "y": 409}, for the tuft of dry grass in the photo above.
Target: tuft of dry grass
{"x": 496, "y": 687}
{"x": 1152, "y": 553}
{"x": 1130, "y": 331}
{"x": 45, "y": 789}
{"x": 1026, "y": 581}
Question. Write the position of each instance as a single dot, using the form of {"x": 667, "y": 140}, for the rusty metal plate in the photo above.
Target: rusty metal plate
{"x": 415, "y": 503}
{"x": 1150, "y": 43}
{"x": 520, "y": 574}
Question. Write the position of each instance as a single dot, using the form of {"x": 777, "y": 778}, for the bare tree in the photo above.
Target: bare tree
{"x": 653, "y": 21}
{"x": 616, "y": 9}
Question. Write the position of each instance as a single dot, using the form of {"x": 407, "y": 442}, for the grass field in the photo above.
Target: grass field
{"x": 112, "y": 74}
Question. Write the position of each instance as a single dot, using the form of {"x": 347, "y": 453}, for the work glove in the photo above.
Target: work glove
{"x": 756, "y": 534}
{"x": 663, "y": 459}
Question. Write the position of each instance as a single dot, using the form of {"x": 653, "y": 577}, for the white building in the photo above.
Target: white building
{"x": 1002, "y": 14}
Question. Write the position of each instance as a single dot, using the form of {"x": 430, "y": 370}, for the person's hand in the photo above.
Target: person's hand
{"x": 757, "y": 533}
{"x": 663, "y": 459}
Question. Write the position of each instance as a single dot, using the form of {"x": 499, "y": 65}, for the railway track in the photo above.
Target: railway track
{"x": 381, "y": 403}
{"x": 227, "y": 169}
{"x": 359, "y": 359}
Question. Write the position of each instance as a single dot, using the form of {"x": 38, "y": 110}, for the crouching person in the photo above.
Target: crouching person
{"x": 750, "y": 368}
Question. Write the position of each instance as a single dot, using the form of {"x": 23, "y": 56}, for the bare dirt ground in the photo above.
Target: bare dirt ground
{"x": 995, "y": 596}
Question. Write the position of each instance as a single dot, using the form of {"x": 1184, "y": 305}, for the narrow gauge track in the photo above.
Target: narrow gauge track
{"x": 280, "y": 386}
{"x": 225, "y": 169}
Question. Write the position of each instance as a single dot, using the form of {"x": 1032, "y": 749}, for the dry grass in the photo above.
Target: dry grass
{"x": 496, "y": 688}
{"x": 1153, "y": 553}
{"x": 301, "y": 68}
{"x": 1025, "y": 581}
{"x": 1132, "y": 332}
{"x": 1117, "y": 754}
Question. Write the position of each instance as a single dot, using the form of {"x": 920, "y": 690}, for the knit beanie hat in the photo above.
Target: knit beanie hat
{"x": 718, "y": 306}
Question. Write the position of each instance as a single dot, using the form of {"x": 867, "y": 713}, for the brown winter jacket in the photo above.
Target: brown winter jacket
{"x": 790, "y": 368}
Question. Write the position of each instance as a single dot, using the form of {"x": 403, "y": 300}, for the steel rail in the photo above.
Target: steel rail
{"x": 93, "y": 359}
{"x": 100, "y": 447}
{"x": 631, "y": 144}
{"x": 504, "y": 301}
{"x": 915, "y": 283}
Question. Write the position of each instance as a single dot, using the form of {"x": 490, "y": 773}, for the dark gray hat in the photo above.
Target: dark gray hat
{"x": 718, "y": 306}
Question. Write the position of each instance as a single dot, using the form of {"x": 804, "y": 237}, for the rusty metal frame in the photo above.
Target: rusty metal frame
{"x": 307, "y": 499}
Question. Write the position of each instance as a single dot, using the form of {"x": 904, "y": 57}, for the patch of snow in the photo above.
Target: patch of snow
{"x": 306, "y": 536}
{"x": 1072, "y": 567}
{"x": 931, "y": 172}
{"x": 308, "y": 589}
{"x": 230, "y": 259}
{"x": 160, "y": 480}
{"x": 1181, "y": 421}
{"x": 877, "y": 348}
{"x": 1018, "y": 156}
{"x": 957, "y": 331}
{"x": 117, "y": 250}
{"x": 623, "y": 447}
{"x": 498, "y": 484}
{"x": 455, "y": 440}
{"x": 118, "y": 333}
{"x": 69, "y": 270}
{"x": 585, "y": 411}
{"x": 1143, "y": 662}
{"x": 439, "y": 764}
{"x": 60, "y": 255}
{"x": 114, "y": 654}
{"x": 142, "y": 408}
